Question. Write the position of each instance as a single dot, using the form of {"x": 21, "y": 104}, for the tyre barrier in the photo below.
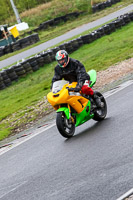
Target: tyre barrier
{"x": 56, "y": 21}
{"x": 16, "y": 46}
{"x": 33, "y": 64}
{"x": 19, "y": 44}
{"x": 19, "y": 70}
{"x": 12, "y": 74}
{"x": 103, "y": 5}
{"x": 5, "y": 78}
{"x": 1, "y": 51}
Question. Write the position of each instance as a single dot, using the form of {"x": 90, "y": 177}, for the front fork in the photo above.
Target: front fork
{"x": 71, "y": 119}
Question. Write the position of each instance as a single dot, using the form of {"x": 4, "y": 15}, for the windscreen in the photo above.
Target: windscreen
{"x": 58, "y": 85}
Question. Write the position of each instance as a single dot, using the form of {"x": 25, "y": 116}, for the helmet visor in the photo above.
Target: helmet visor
{"x": 62, "y": 61}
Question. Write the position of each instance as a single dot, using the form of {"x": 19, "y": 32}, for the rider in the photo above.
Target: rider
{"x": 74, "y": 71}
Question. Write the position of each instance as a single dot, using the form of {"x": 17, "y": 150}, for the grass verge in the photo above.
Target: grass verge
{"x": 21, "y": 102}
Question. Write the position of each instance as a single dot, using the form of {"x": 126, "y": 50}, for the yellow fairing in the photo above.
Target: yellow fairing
{"x": 63, "y": 97}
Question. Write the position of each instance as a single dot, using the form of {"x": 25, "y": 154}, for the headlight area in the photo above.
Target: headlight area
{"x": 74, "y": 94}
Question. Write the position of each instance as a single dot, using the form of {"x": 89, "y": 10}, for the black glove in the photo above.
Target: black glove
{"x": 76, "y": 89}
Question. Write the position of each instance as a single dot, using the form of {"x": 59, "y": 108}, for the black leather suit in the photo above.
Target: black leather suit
{"x": 73, "y": 72}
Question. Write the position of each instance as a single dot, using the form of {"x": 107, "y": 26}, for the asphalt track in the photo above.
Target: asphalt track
{"x": 96, "y": 163}
{"x": 63, "y": 37}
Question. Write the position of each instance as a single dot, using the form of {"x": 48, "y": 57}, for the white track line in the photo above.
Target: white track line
{"x": 16, "y": 143}
{"x": 13, "y": 189}
{"x": 118, "y": 88}
{"x": 127, "y": 194}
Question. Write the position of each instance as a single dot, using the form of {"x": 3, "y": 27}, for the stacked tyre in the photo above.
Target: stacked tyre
{"x": 12, "y": 74}
{"x": 75, "y": 44}
{"x": 95, "y": 35}
{"x": 69, "y": 47}
{"x": 126, "y": 18}
{"x": 26, "y": 67}
{"x": 87, "y": 38}
{"x": 62, "y": 46}
{"x": 7, "y": 49}
{"x": 19, "y": 70}
{"x": 34, "y": 38}
{"x": 2, "y": 85}
{"x": 72, "y": 15}
{"x": 108, "y": 3}
{"x": 101, "y": 31}
{"x": 40, "y": 60}
{"x": 55, "y": 50}
{"x": 43, "y": 26}
{"x": 112, "y": 26}
{"x": 1, "y": 51}
{"x": 24, "y": 42}
{"x": 107, "y": 29}
{"x": 51, "y": 53}
{"x": 118, "y": 23}
{"x": 131, "y": 16}
{"x": 15, "y": 46}
{"x": 33, "y": 63}
{"x": 80, "y": 41}
{"x": 103, "y": 5}
{"x": 57, "y": 20}
{"x": 7, "y": 81}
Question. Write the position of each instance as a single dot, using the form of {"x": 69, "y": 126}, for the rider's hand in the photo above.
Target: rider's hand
{"x": 76, "y": 89}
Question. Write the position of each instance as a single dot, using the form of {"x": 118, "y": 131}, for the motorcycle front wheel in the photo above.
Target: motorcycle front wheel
{"x": 100, "y": 113}
{"x": 65, "y": 128}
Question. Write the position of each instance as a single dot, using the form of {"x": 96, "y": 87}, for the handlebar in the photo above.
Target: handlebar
{"x": 74, "y": 89}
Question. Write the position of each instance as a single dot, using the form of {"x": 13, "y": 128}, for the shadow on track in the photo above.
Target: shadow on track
{"x": 90, "y": 131}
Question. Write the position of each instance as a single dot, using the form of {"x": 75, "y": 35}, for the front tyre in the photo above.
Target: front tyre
{"x": 100, "y": 113}
{"x": 65, "y": 128}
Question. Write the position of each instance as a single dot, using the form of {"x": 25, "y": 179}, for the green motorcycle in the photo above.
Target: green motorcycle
{"x": 73, "y": 108}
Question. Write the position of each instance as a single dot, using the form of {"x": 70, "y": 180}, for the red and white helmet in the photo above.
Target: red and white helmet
{"x": 62, "y": 58}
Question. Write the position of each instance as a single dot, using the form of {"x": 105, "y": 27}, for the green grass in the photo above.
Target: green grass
{"x": 98, "y": 55}
{"x": 53, "y": 32}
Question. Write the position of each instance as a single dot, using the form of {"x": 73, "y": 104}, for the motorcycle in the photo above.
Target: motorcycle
{"x": 74, "y": 108}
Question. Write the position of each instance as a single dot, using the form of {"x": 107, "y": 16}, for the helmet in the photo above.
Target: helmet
{"x": 62, "y": 58}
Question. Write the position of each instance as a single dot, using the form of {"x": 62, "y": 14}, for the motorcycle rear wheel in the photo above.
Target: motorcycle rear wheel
{"x": 65, "y": 128}
{"x": 100, "y": 113}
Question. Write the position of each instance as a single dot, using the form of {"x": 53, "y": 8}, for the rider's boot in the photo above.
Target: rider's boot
{"x": 89, "y": 92}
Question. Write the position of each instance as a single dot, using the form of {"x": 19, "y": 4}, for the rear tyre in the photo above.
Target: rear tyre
{"x": 100, "y": 113}
{"x": 65, "y": 128}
